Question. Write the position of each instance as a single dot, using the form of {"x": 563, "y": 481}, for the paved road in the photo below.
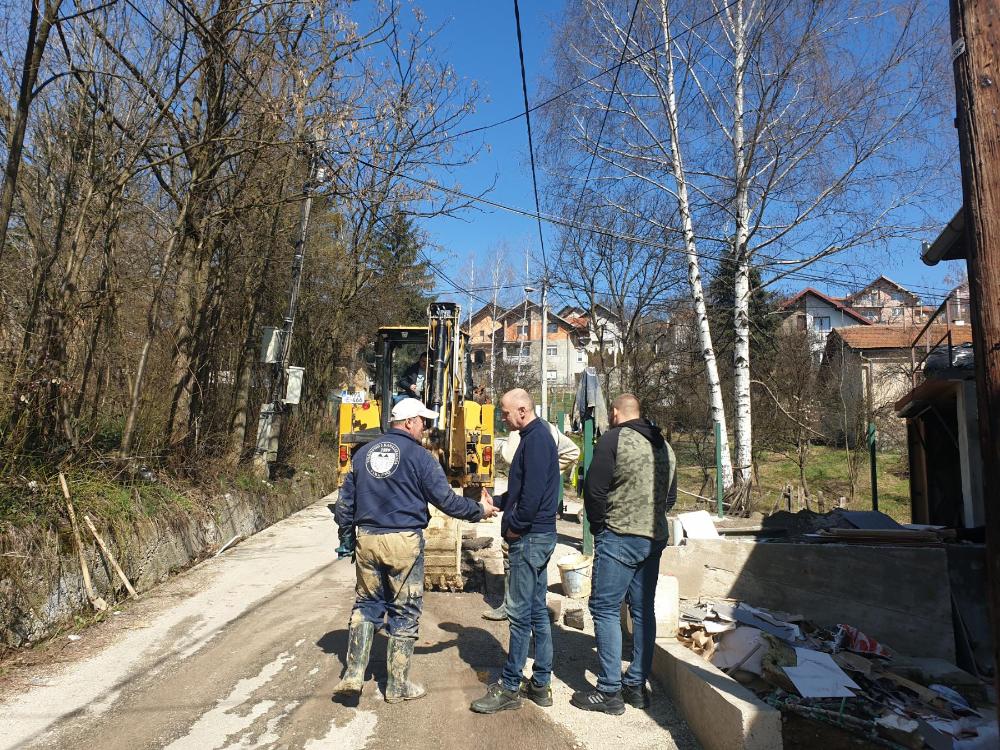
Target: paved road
{"x": 243, "y": 651}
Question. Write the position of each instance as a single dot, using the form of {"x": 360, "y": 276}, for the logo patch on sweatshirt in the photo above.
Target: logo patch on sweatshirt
{"x": 382, "y": 460}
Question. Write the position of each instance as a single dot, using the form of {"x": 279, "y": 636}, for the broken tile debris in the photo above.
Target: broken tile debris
{"x": 838, "y": 675}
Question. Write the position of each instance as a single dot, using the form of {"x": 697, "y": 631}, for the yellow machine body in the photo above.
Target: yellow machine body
{"x": 461, "y": 436}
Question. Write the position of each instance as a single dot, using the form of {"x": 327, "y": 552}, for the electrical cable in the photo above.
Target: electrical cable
{"x": 531, "y": 147}
{"x": 850, "y": 283}
{"x": 607, "y": 109}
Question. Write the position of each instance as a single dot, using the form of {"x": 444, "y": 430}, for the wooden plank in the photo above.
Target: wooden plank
{"x": 97, "y": 602}
{"x": 110, "y": 557}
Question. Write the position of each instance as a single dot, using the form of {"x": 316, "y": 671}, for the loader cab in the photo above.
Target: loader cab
{"x": 398, "y": 353}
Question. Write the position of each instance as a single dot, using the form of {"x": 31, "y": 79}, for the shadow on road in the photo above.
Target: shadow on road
{"x": 477, "y": 647}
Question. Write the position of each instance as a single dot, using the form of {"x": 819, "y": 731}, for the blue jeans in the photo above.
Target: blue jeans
{"x": 624, "y": 564}
{"x": 527, "y": 584}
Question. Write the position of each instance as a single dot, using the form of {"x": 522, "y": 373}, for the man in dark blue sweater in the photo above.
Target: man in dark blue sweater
{"x": 384, "y": 503}
{"x": 529, "y": 527}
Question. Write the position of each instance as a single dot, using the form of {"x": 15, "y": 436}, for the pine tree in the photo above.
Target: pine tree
{"x": 722, "y": 303}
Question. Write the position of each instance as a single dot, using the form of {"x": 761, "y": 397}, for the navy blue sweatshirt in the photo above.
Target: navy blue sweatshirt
{"x": 531, "y": 501}
{"x": 390, "y": 483}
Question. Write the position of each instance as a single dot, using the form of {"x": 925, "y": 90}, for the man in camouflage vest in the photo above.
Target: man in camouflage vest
{"x": 631, "y": 484}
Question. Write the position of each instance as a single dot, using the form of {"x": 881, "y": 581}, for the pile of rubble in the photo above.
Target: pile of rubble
{"x": 840, "y": 676}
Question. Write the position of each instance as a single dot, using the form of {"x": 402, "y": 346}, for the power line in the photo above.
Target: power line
{"x": 607, "y": 109}
{"x": 531, "y": 147}
{"x": 605, "y": 232}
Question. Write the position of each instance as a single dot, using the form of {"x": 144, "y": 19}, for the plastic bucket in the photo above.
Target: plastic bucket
{"x": 574, "y": 572}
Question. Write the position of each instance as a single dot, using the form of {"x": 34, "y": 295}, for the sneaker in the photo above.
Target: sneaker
{"x": 541, "y": 695}
{"x": 497, "y": 698}
{"x": 635, "y": 695}
{"x": 595, "y": 700}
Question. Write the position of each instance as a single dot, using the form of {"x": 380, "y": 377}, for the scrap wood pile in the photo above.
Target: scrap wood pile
{"x": 839, "y": 676}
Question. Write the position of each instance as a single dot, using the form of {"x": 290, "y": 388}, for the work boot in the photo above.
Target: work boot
{"x": 597, "y": 700}
{"x": 635, "y": 695}
{"x": 541, "y": 695}
{"x": 497, "y": 698}
{"x": 496, "y": 614}
{"x": 397, "y": 658}
{"x": 359, "y": 645}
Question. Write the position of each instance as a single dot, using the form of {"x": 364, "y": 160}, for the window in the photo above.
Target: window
{"x": 801, "y": 322}
{"x": 821, "y": 323}
{"x": 580, "y": 356}
{"x": 522, "y": 328}
{"x": 479, "y": 357}
{"x": 552, "y": 351}
{"x": 551, "y": 375}
{"x": 553, "y": 328}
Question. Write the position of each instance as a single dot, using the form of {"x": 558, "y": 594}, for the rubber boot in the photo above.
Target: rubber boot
{"x": 399, "y": 688}
{"x": 499, "y": 613}
{"x": 359, "y": 645}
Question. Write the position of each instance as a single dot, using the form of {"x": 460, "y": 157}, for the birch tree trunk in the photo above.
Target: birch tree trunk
{"x": 743, "y": 429}
{"x": 691, "y": 251}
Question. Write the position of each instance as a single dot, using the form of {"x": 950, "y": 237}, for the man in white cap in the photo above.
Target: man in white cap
{"x": 382, "y": 512}
{"x": 568, "y": 453}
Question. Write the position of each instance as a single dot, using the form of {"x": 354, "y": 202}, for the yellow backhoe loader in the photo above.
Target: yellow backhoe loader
{"x": 461, "y": 436}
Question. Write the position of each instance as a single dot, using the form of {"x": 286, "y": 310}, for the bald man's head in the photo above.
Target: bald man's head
{"x": 624, "y": 408}
{"x": 517, "y": 408}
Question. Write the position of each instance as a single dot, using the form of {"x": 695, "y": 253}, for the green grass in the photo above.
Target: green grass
{"x": 96, "y": 493}
{"x": 826, "y": 472}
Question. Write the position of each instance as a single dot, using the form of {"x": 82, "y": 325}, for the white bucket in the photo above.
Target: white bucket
{"x": 574, "y": 572}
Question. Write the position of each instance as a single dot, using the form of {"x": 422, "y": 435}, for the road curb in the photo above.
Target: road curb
{"x": 723, "y": 714}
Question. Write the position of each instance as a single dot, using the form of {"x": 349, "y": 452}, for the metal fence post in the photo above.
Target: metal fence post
{"x": 873, "y": 461}
{"x": 562, "y": 477}
{"x": 588, "y": 455}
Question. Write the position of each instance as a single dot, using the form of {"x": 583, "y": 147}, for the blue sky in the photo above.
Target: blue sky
{"x": 480, "y": 42}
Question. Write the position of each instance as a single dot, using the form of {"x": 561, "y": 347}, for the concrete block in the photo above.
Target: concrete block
{"x": 723, "y": 714}
{"x": 667, "y": 607}
{"x": 574, "y": 618}
{"x": 554, "y": 606}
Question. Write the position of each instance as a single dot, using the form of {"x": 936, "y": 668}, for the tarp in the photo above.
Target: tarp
{"x": 590, "y": 400}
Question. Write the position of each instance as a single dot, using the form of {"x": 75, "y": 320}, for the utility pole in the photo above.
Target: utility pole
{"x": 545, "y": 348}
{"x": 269, "y": 423}
{"x": 975, "y": 34}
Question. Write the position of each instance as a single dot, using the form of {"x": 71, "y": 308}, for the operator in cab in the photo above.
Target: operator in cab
{"x": 413, "y": 381}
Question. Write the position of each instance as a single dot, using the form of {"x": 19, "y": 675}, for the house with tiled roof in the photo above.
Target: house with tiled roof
{"x": 817, "y": 314}
{"x": 884, "y": 301}
{"x": 880, "y": 302}
{"x": 519, "y": 333}
{"x": 872, "y": 366}
{"x": 602, "y": 328}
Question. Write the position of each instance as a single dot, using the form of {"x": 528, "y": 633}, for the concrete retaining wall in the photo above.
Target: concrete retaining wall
{"x": 41, "y": 589}
{"x": 723, "y": 714}
{"x": 880, "y": 590}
